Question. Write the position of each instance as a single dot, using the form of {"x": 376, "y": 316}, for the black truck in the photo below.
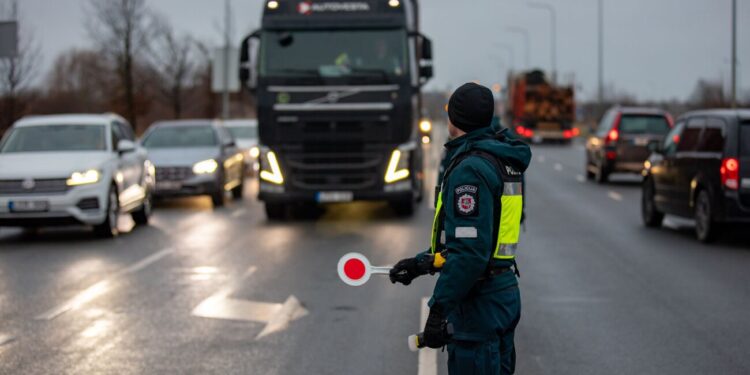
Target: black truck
{"x": 337, "y": 85}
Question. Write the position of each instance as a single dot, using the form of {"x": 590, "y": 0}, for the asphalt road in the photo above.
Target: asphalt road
{"x": 224, "y": 291}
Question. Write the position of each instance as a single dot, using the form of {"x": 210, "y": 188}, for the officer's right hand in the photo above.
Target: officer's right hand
{"x": 405, "y": 271}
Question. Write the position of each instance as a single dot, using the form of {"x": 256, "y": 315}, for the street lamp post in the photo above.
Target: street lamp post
{"x": 734, "y": 54}
{"x": 527, "y": 41}
{"x": 553, "y": 35}
{"x": 601, "y": 52}
{"x": 511, "y": 56}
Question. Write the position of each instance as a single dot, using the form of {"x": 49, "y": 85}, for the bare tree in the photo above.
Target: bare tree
{"x": 17, "y": 73}
{"x": 122, "y": 30}
{"x": 78, "y": 81}
{"x": 174, "y": 62}
{"x": 708, "y": 94}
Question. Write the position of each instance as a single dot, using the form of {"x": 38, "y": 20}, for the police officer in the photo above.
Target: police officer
{"x": 475, "y": 233}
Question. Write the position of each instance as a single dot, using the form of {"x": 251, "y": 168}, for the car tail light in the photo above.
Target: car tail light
{"x": 528, "y": 133}
{"x": 611, "y": 155}
{"x": 576, "y": 132}
{"x": 567, "y": 133}
{"x": 730, "y": 173}
{"x": 614, "y": 134}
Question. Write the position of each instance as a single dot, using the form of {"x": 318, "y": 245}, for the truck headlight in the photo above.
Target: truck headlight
{"x": 254, "y": 152}
{"x": 88, "y": 177}
{"x": 270, "y": 169}
{"x": 425, "y": 126}
{"x": 205, "y": 167}
{"x": 398, "y": 167}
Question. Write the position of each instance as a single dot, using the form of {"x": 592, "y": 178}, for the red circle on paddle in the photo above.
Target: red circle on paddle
{"x": 354, "y": 269}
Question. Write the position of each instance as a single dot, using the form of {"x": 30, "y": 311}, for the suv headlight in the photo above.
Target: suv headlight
{"x": 205, "y": 167}
{"x": 270, "y": 170}
{"x": 87, "y": 177}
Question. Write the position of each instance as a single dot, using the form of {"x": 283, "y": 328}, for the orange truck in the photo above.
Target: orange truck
{"x": 540, "y": 110}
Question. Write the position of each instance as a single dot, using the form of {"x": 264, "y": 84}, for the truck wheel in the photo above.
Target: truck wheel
{"x": 404, "y": 207}
{"x": 651, "y": 216}
{"x": 109, "y": 229}
{"x": 276, "y": 211}
{"x": 706, "y": 229}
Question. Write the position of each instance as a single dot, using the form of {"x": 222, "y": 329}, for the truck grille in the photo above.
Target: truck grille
{"x": 334, "y": 167}
{"x": 173, "y": 173}
{"x": 43, "y": 186}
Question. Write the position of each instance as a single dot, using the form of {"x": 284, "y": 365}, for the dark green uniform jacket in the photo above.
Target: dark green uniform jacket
{"x": 467, "y": 223}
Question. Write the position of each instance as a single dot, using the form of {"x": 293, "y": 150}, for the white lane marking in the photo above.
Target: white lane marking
{"x": 6, "y": 339}
{"x": 558, "y": 167}
{"x": 615, "y": 196}
{"x": 238, "y": 213}
{"x": 580, "y": 178}
{"x": 541, "y": 158}
{"x": 276, "y": 316}
{"x": 427, "y": 356}
{"x": 102, "y": 287}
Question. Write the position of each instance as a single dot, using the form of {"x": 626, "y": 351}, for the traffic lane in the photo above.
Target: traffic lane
{"x": 145, "y": 317}
{"x": 56, "y": 267}
{"x": 604, "y": 294}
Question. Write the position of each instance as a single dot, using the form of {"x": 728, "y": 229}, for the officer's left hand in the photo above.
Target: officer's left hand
{"x": 435, "y": 335}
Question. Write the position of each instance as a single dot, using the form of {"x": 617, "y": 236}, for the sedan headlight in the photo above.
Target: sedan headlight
{"x": 270, "y": 169}
{"x": 398, "y": 167}
{"x": 88, "y": 177}
{"x": 205, "y": 167}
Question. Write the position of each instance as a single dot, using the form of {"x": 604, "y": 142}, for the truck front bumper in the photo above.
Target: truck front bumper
{"x": 278, "y": 194}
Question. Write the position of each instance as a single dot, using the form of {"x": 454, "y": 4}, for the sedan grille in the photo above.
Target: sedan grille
{"x": 42, "y": 186}
{"x": 173, "y": 173}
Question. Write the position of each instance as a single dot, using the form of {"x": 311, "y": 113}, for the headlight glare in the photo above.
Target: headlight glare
{"x": 254, "y": 152}
{"x": 425, "y": 126}
{"x": 90, "y": 176}
{"x": 205, "y": 166}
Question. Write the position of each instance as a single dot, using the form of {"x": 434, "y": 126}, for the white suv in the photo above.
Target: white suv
{"x": 73, "y": 169}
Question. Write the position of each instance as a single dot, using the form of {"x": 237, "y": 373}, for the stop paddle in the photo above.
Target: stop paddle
{"x": 355, "y": 270}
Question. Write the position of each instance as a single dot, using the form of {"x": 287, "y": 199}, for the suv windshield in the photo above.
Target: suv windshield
{"x": 377, "y": 53}
{"x": 181, "y": 137}
{"x": 243, "y": 132}
{"x": 49, "y": 138}
{"x": 745, "y": 138}
{"x": 640, "y": 124}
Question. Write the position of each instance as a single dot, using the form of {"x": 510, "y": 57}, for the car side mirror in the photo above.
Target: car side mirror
{"x": 125, "y": 146}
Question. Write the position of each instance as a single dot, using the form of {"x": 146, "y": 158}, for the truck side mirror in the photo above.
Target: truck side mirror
{"x": 426, "y": 48}
{"x": 426, "y": 72}
{"x": 248, "y": 62}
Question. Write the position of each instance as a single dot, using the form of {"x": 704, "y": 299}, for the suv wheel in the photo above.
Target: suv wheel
{"x": 143, "y": 214}
{"x": 217, "y": 198}
{"x": 706, "y": 229}
{"x": 652, "y": 218}
{"x": 108, "y": 229}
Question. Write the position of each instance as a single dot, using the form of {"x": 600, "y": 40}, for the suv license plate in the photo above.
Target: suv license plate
{"x": 335, "y": 196}
{"x": 641, "y": 141}
{"x": 28, "y": 206}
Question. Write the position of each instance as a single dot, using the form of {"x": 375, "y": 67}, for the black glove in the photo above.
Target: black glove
{"x": 436, "y": 335}
{"x": 410, "y": 268}
{"x": 405, "y": 271}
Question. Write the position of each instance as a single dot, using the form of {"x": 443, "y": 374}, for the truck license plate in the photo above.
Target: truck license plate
{"x": 28, "y": 206}
{"x": 335, "y": 196}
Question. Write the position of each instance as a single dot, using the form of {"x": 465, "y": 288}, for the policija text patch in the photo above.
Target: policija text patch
{"x": 467, "y": 200}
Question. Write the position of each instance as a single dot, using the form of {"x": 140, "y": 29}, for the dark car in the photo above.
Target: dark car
{"x": 701, "y": 170}
{"x": 621, "y": 141}
{"x": 195, "y": 157}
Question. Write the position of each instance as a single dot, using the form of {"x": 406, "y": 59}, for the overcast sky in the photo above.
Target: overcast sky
{"x": 655, "y": 49}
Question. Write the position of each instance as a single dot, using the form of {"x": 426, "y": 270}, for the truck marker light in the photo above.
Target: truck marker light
{"x": 394, "y": 3}
{"x": 273, "y": 4}
{"x": 274, "y": 176}
{"x": 393, "y": 175}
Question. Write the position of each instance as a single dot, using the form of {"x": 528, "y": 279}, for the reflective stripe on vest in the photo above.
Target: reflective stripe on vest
{"x": 509, "y": 227}
{"x": 510, "y": 221}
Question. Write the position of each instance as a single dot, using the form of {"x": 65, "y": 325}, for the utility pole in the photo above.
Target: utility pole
{"x": 511, "y": 56}
{"x": 527, "y": 42}
{"x": 553, "y": 36}
{"x": 601, "y": 52}
{"x": 227, "y": 38}
{"x": 734, "y": 54}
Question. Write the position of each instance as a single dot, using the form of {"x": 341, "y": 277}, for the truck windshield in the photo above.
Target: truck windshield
{"x": 56, "y": 138}
{"x": 745, "y": 139}
{"x": 640, "y": 124}
{"x": 376, "y": 53}
{"x": 181, "y": 137}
